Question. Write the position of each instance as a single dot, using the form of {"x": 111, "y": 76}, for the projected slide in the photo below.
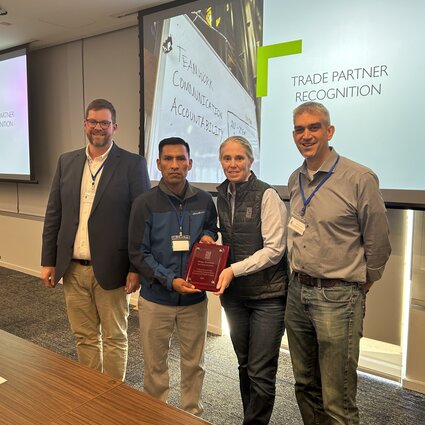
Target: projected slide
{"x": 14, "y": 133}
{"x": 365, "y": 63}
{"x": 363, "y": 60}
{"x": 197, "y": 98}
{"x": 201, "y": 90}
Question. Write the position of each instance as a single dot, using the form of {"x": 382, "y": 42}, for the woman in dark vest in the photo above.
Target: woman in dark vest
{"x": 253, "y": 287}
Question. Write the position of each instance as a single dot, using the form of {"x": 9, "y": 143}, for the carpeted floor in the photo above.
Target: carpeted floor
{"x": 38, "y": 315}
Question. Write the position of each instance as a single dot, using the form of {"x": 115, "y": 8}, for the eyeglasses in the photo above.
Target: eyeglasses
{"x": 103, "y": 124}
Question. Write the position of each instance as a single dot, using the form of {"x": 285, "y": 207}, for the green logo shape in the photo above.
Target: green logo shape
{"x": 273, "y": 51}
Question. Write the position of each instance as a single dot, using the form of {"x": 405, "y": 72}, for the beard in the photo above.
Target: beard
{"x": 99, "y": 140}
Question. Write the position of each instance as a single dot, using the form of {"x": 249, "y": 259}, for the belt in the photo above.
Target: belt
{"x": 305, "y": 279}
{"x": 82, "y": 262}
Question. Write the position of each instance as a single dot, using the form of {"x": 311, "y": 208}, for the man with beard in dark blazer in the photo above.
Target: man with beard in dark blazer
{"x": 85, "y": 239}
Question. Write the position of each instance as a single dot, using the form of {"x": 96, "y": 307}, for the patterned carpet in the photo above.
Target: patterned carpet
{"x": 38, "y": 315}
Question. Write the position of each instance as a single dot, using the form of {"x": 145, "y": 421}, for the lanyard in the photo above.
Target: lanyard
{"x": 322, "y": 182}
{"x": 93, "y": 176}
{"x": 180, "y": 216}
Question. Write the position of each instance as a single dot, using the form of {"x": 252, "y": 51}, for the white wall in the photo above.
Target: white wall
{"x": 415, "y": 363}
{"x": 20, "y": 243}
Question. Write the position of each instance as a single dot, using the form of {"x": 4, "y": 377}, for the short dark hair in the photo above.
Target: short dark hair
{"x": 173, "y": 141}
{"x": 97, "y": 104}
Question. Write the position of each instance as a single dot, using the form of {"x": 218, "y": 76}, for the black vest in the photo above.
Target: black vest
{"x": 244, "y": 238}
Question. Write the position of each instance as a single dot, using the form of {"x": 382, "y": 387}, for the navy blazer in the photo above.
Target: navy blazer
{"x": 123, "y": 178}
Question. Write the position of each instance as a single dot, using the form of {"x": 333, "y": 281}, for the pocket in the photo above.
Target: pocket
{"x": 342, "y": 294}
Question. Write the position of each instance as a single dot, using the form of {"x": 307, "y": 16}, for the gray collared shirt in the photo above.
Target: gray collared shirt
{"x": 346, "y": 232}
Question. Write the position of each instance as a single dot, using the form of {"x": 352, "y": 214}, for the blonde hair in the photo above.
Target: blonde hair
{"x": 242, "y": 141}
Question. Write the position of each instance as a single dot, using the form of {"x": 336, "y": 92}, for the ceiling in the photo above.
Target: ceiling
{"x": 44, "y": 23}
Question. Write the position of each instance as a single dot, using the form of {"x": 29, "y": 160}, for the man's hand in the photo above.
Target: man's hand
{"x": 183, "y": 287}
{"x": 47, "y": 276}
{"x": 226, "y": 276}
{"x": 367, "y": 286}
{"x": 207, "y": 239}
{"x": 132, "y": 283}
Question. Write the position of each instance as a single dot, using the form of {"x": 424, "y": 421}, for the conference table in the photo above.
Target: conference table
{"x": 42, "y": 387}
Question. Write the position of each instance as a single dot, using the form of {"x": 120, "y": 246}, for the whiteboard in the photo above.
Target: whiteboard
{"x": 198, "y": 99}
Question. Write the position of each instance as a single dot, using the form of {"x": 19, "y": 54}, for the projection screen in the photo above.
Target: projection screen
{"x": 363, "y": 60}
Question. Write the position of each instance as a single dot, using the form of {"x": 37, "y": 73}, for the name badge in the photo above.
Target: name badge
{"x": 297, "y": 224}
{"x": 180, "y": 242}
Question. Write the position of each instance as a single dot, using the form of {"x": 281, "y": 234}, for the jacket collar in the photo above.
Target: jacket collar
{"x": 222, "y": 188}
{"x": 189, "y": 191}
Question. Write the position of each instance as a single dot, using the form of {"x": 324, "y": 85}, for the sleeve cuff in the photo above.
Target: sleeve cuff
{"x": 372, "y": 275}
{"x": 237, "y": 269}
{"x": 209, "y": 233}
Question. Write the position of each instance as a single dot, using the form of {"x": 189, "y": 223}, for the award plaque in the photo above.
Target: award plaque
{"x": 206, "y": 262}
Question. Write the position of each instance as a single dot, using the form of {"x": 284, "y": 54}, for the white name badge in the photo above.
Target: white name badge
{"x": 297, "y": 224}
{"x": 180, "y": 242}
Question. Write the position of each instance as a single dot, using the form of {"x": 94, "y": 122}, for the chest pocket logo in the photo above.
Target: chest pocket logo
{"x": 248, "y": 212}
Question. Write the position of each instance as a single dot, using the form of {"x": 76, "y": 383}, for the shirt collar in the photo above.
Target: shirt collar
{"x": 230, "y": 191}
{"x": 326, "y": 166}
{"x": 100, "y": 158}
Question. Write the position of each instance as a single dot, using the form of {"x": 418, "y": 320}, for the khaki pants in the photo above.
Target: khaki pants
{"x": 157, "y": 323}
{"x": 98, "y": 320}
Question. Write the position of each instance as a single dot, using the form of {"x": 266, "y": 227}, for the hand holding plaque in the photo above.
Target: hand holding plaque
{"x": 206, "y": 262}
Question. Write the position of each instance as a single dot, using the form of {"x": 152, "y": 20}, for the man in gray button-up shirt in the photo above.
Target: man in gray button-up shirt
{"x": 339, "y": 244}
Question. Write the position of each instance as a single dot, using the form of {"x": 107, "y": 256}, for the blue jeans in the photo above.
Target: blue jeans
{"x": 256, "y": 330}
{"x": 324, "y": 327}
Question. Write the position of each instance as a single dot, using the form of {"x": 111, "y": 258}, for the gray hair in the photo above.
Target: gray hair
{"x": 313, "y": 108}
{"x": 243, "y": 142}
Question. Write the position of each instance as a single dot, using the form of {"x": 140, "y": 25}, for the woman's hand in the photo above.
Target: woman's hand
{"x": 224, "y": 280}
